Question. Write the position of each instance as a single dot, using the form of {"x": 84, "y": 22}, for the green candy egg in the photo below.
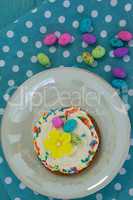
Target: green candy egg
{"x": 43, "y": 59}
{"x": 87, "y": 58}
{"x": 98, "y": 52}
{"x": 116, "y": 43}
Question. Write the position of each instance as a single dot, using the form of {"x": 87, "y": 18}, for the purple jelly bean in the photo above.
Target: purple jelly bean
{"x": 89, "y": 38}
{"x": 119, "y": 72}
{"x": 57, "y": 122}
{"x": 120, "y": 52}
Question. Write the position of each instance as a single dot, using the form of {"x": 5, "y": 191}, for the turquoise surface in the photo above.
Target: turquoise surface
{"x": 21, "y": 41}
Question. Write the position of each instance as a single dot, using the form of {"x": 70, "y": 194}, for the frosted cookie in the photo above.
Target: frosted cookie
{"x": 66, "y": 140}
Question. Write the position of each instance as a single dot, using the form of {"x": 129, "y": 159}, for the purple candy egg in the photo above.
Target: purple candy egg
{"x": 57, "y": 122}
{"x": 120, "y": 52}
{"x": 119, "y": 72}
{"x": 89, "y": 38}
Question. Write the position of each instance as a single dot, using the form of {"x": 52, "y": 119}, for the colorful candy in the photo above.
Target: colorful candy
{"x": 87, "y": 58}
{"x": 70, "y": 125}
{"x": 65, "y": 39}
{"x": 89, "y": 38}
{"x": 119, "y": 72}
{"x": 43, "y": 59}
{"x": 116, "y": 43}
{"x": 86, "y": 25}
{"x": 125, "y": 35}
{"x": 50, "y": 39}
{"x": 120, "y": 52}
{"x": 119, "y": 84}
{"x": 98, "y": 52}
{"x": 57, "y": 122}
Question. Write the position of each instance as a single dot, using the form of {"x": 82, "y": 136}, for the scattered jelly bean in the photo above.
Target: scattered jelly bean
{"x": 89, "y": 38}
{"x": 119, "y": 84}
{"x": 116, "y": 43}
{"x": 119, "y": 72}
{"x": 70, "y": 125}
{"x": 43, "y": 59}
{"x": 120, "y": 52}
{"x": 125, "y": 35}
{"x": 65, "y": 39}
{"x": 86, "y": 25}
{"x": 98, "y": 52}
{"x": 50, "y": 39}
{"x": 57, "y": 122}
{"x": 87, "y": 58}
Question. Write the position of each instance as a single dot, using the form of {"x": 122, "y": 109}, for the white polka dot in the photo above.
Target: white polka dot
{"x": 130, "y": 92}
{"x": 61, "y": 66}
{"x": 94, "y": 64}
{"x": 122, "y": 171}
{"x": 99, "y": 196}
{"x": 117, "y": 186}
{"x": 8, "y": 180}
{"x": 61, "y": 19}
{"x": 36, "y": 193}
{"x": 108, "y": 18}
{"x": 38, "y": 44}
{"x": 57, "y": 34}
{"x": 126, "y": 58}
{"x": 33, "y": 59}
{"x": 75, "y": 24}
{"x": 1, "y": 111}
{"x": 128, "y": 7}
{"x": 34, "y": 10}
{"x": 24, "y": 39}
{"x": 20, "y": 54}
{"x": 113, "y": 3}
{"x": 84, "y": 45}
{"x": 66, "y": 54}
{"x": 127, "y": 107}
{"x": 5, "y": 49}
{"x": 43, "y": 29}
{"x": 103, "y": 34}
{"x": 6, "y": 97}
{"x": 52, "y": 49}
{"x": 122, "y": 23}
{"x": 66, "y": 4}
{"x": 11, "y": 82}
{"x": 2, "y": 63}
{"x": 15, "y": 68}
{"x": 130, "y": 192}
{"x": 107, "y": 68}
{"x": 94, "y": 13}
{"x": 79, "y": 59}
{"x": 29, "y": 73}
{"x": 111, "y": 54}
{"x": 28, "y": 24}
{"x": 10, "y": 34}
{"x": 130, "y": 43}
{"x": 128, "y": 157}
{"x": 47, "y": 14}
{"x": 80, "y": 8}
{"x": 17, "y": 198}
{"x": 52, "y": 1}
{"x": 1, "y": 160}
{"x": 131, "y": 142}
{"x": 22, "y": 186}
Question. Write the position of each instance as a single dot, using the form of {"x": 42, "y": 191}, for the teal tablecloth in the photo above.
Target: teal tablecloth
{"x": 22, "y": 40}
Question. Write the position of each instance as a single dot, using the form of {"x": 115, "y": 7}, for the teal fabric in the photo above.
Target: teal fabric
{"x": 22, "y": 40}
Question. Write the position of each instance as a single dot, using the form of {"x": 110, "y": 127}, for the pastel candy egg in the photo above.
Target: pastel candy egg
{"x": 119, "y": 72}
{"x": 85, "y": 25}
{"x": 116, "y": 43}
{"x": 125, "y": 35}
{"x": 87, "y": 58}
{"x": 43, "y": 59}
{"x": 65, "y": 39}
{"x": 70, "y": 125}
{"x": 50, "y": 39}
{"x": 120, "y": 52}
{"x": 89, "y": 38}
{"x": 119, "y": 84}
{"x": 57, "y": 122}
{"x": 98, "y": 52}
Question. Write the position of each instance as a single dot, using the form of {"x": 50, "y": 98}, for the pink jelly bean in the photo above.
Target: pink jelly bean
{"x": 89, "y": 38}
{"x": 57, "y": 122}
{"x": 119, "y": 72}
{"x": 50, "y": 39}
{"x": 120, "y": 52}
{"x": 125, "y": 35}
{"x": 65, "y": 39}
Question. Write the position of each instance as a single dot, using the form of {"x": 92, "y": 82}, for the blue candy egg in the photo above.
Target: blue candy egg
{"x": 85, "y": 25}
{"x": 70, "y": 125}
{"x": 116, "y": 43}
{"x": 119, "y": 84}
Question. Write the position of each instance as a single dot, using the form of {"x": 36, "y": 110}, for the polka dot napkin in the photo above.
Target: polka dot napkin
{"x": 21, "y": 41}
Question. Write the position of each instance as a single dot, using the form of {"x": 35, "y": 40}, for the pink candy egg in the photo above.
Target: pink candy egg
{"x": 125, "y": 35}
{"x": 57, "y": 122}
{"x": 65, "y": 39}
{"x": 50, "y": 39}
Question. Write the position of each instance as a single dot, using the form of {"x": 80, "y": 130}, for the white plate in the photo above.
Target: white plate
{"x": 64, "y": 87}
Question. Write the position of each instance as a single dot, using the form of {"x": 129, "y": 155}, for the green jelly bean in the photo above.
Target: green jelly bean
{"x": 98, "y": 52}
{"x": 43, "y": 59}
{"x": 87, "y": 58}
